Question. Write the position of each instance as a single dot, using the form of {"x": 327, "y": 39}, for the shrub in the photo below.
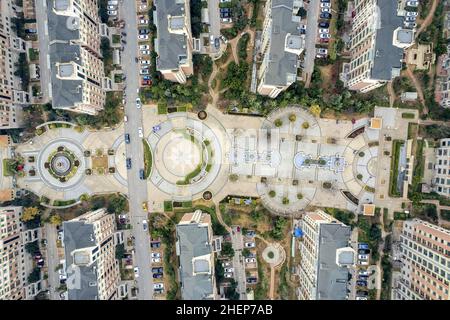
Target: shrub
{"x": 285, "y": 201}
{"x": 299, "y": 196}
{"x": 272, "y": 193}
{"x": 305, "y": 125}
{"x": 278, "y": 123}
{"x": 292, "y": 117}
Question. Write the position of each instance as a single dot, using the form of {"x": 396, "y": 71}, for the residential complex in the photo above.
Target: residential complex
{"x": 377, "y": 44}
{"x": 281, "y": 45}
{"x": 77, "y": 73}
{"x": 442, "y": 168}
{"x": 12, "y": 255}
{"x": 174, "y": 41}
{"x": 196, "y": 256}
{"x": 425, "y": 273}
{"x": 442, "y": 91}
{"x": 91, "y": 265}
{"x": 325, "y": 257}
{"x": 11, "y": 93}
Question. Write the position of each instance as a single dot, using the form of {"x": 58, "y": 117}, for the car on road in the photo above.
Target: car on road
{"x": 249, "y": 244}
{"x": 143, "y": 37}
{"x": 144, "y": 47}
{"x": 228, "y": 275}
{"x": 325, "y": 15}
{"x": 325, "y": 5}
{"x": 229, "y": 270}
{"x": 324, "y": 30}
{"x": 410, "y": 19}
{"x": 125, "y": 118}
{"x": 136, "y": 272}
{"x": 363, "y": 272}
{"x": 363, "y": 246}
{"x": 412, "y": 3}
{"x": 128, "y": 163}
{"x": 145, "y": 225}
{"x": 157, "y": 275}
{"x": 322, "y": 51}
{"x": 127, "y": 138}
{"x": 411, "y": 14}
{"x": 157, "y": 270}
{"x": 140, "y": 132}
{"x": 141, "y": 174}
{"x": 112, "y": 12}
{"x": 158, "y": 285}
{"x": 250, "y": 260}
{"x": 324, "y": 24}
{"x": 324, "y": 36}
{"x": 156, "y": 260}
{"x": 156, "y": 255}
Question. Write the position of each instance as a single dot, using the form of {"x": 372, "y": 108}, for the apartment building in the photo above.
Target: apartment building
{"x": 425, "y": 256}
{"x": 77, "y": 73}
{"x": 12, "y": 255}
{"x": 441, "y": 183}
{"x": 91, "y": 265}
{"x": 11, "y": 93}
{"x": 325, "y": 256}
{"x": 377, "y": 45}
{"x": 174, "y": 41}
{"x": 442, "y": 91}
{"x": 281, "y": 45}
{"x": 196, "y": 255}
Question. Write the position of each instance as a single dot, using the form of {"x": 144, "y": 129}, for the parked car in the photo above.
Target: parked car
{"x": 127, "y": 138}
{"x": 326, "y": 10}
{"x": 325, "y": 1}
{"x": 145, "y": 52}
{"x": 325, "y": 5}
{"x": 138, "y": 102}
{"x": 113, "y": 2}
{"x": 128, "y": 163}
{"x": 136, "y": 272}
{"x": 410, "y": 19}
{"x": 157, "y": 270}
{"x": 252, "y": 280}
{"x": 143, "y": 31}
{"x": 158, "y": 286}
{"x": 230, "y": 270}
{"x": 156, "y": 255}
{"x": 156, "y": 260}
{"x": 324, "y": 30}
{"x": 325, "y": 15}
{"x": 144, "y": 71}
{"x": 249, "y": 244}
{"x": 363, "y": 246}
{"x": 112, "y": 12}
{"x": 362, "y": 293}
{"x": 144, "y": 47}
{"x": 411, "y": 14}
{"x": 361, "y": 283}
{"x": 226, "y": 264}
{"x": 363, "y": 251}
{"x": 410, "y": 25}
{"x": 322, "y": 51}
{"x": 125, "y": 118}
{"x": 228, "y": 275}
{"x": 363, "y": 272}
{"x": 146, "y": 82}
{"x": 157, "y": 275}
{"x": 143, "y": 21}
{"x": 324, "y": 36}
{"x": 145, "y": 61}
{"x": 143, "y": 37}
{"x": 227, "y": 20}
{"x": 363, "y": 257}
{"x": 250, "y": 233}
{"x": 145, "y": 225}
{"x": 155, "y": 245}
{"x": 147, "y": 78}
{"x": 361, "y": 298}
{"x": 140, "y": 132}
{"x": 324, "y": 24}
{"x": 111, "y": 7}
{"x": 412, "y": 3}
{"x": 250, "y": 260}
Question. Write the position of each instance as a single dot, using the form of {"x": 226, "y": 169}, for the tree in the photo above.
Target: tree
{"x": 246, "y": 252}
{"x": 227, "y": 249}
{"x": 302, "y": 12}
{"x": 32, "y": 247}
{"x": 30, "y": 213}
{"x": 117, "y": 204}
{"x": 292, "y": 117}
{"x": 315, "y": 110}
{"x": 35, "y": 275}
{"x": 305, "y": 125}
{"x": 56, "y": 219}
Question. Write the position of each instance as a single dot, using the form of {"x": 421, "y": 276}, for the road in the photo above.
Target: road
{"x": 42, "y": 30}
{"x": 310, "y": 40}
{"x": 51, "y": 235}
{"x": 137, "y": 188}
{"x": 238, "y": 263}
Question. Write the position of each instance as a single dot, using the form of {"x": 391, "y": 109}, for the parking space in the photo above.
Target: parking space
{"x": 250, "y": 261}
{"x": 362, "y": 274}
{"x": 144, "y": 39}
{"x": 157, "y": 255}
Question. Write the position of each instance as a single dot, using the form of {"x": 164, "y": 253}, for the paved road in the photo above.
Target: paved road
{"x": 52, "y": 260}
{"x": 42, "y": 29}
{"x": 137, "y": 189}
{"x": 238, "y": 263}
{"x": 310, "y": 40}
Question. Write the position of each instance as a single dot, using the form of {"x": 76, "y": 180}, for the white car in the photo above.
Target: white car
{"x": 322, "y": 51}
{"x": 112, "y": 12}
{"x": 223, "y": 1}
{"x": 227, "y": 20}
{"x": 325, "y": 5}
{"x": 144, "y": 47}
{"x": 411, "y": 25}
{"x": 249, "y": 244}
{"x": 156, "y": 260}
{"x": 363, "y": 257}
{"x": 111, "y": 7}
{"x": 327, "y": 10}
{"x": 156, "y": 255}
{"x": 138, "y": 103}
{"x": 125, "y": 118}
{"x": 250, "y": 260}
{"x": 145, "y": 61}
{"x": 412, "y": 3}
{"x": 363, "y": 273}
{"x": 142, "y": 7}
{"x": 411, "y": 14}
{"x": 361, "y": 298}
{"x": 113, "y": 2}
{"x": 324, "y": 30}
{"x": 143, "y": 37}
{"x": 324, "y": 36}
{"x": 228, "y": 275}
{"x": 145, "y": 52}
{"x": 229, "y": 270}
{"x": 140, "y": 132}
{"x": 158, "y": 285}
{"x": 226, "y": 264}
{"x": 410, "y": 19}
{"x": 136, "y": 272}
{"x": 144, "y": 71}
{"x": 364, "y": 262}
{"x": 143, "y": 21}
{"x": 144, "y": 222}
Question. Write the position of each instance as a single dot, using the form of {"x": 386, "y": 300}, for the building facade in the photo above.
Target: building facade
{"x": 377, "y": 44}
{"x": 281, "y": 45}
{"x": 325, "y": 256}
{"x": 12, "y": 255}
{"x": 77, "y": 71}
{"x": 174, "y": 43}
{"x": 196, "y": 255}
{"x": 441, "y": 183}
{"x": 11, "y": 94}
{"x": 425, "y": 257}
{"x": 442, "y": 90}
{"x": 91, "y": 265}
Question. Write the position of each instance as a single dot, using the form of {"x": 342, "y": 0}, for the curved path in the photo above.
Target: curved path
{"x": 416, "y": 83}
{"x": 428, "y": 19}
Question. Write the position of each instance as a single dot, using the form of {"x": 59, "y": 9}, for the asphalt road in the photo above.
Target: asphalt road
{"x": 42, "y": 29}
{"x": 310, "y": 40}
{"x": 238, "y": 263}
{"x": 137, "y": 188}
{"x": 51, "y": 235}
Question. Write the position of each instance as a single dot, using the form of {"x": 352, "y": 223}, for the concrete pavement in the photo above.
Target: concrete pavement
{"x": 52, "y": 261}
{"x": 44, "y": 59}
{"x": 137, "y": 189}
{"x": 238, "y": 263}
{"x": 310, "y": 40}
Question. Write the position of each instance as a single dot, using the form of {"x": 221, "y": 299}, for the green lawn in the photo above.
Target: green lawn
{"x": 33, "y": 54}
{"x": 394, "y": 168}
{"x": 147, "y": 159}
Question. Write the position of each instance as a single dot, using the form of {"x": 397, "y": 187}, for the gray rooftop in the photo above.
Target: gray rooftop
{"x": 282, "y": 63}
{"x": 169, "y": 46}
{"x": 78, "y": 235}
{"x": 387, "y": 56}
{"x": 331, "y": 279}
{"x": 194, "y": 242}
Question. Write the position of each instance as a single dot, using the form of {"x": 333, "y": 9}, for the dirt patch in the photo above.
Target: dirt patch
{"x": 99, "y": 162}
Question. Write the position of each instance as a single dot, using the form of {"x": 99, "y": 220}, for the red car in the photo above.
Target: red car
{"x": 146, "y": 82}
{"x": 324, "y": 40}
